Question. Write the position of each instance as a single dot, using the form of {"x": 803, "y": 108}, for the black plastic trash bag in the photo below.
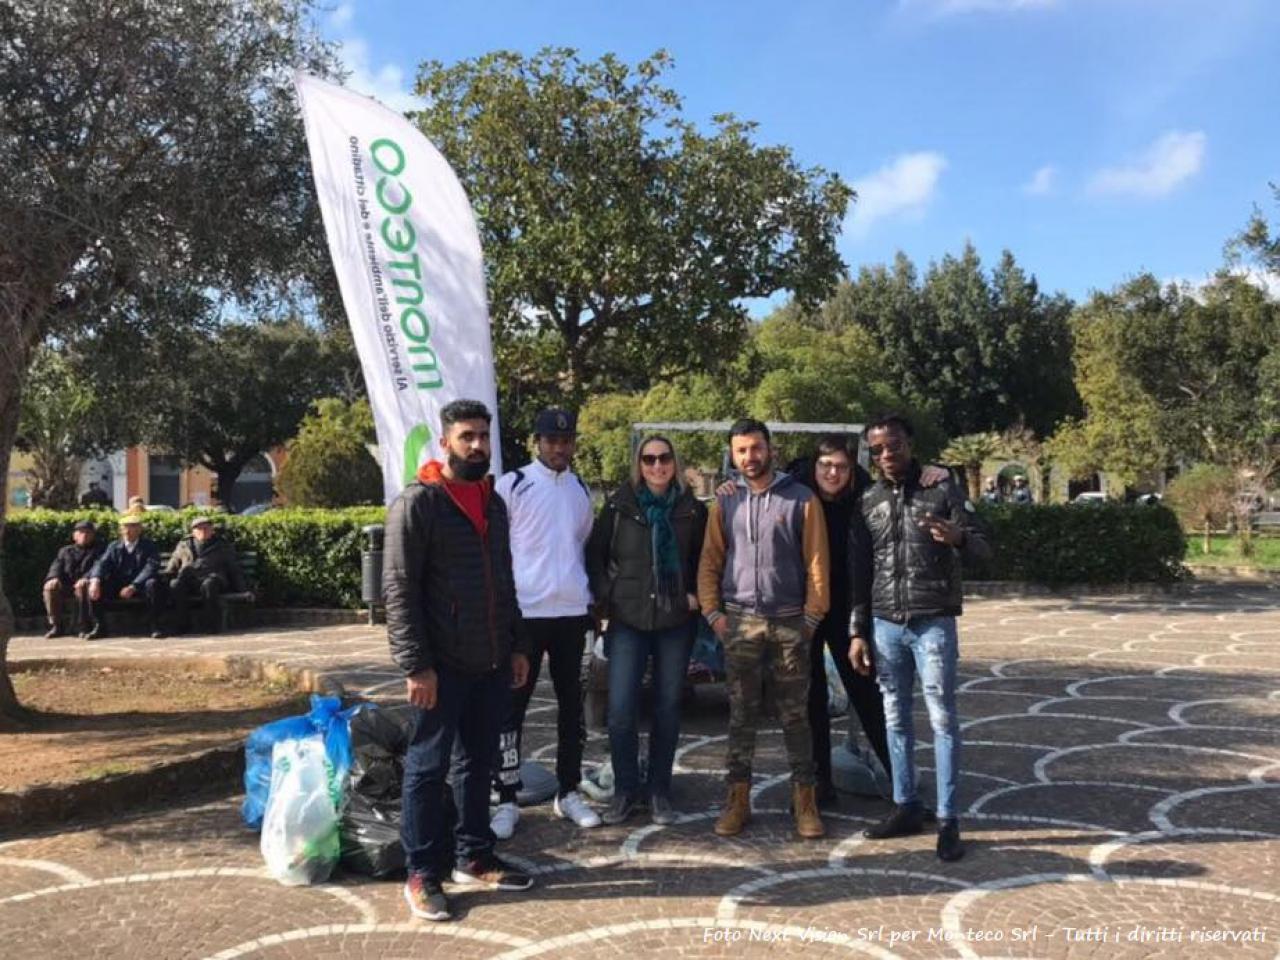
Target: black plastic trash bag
{"x": 371, "y": 822}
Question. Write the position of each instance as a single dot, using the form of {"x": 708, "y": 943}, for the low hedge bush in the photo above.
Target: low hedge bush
{"x": 311, "y": 558}
{"x": 1077, "y": 543}
{"x": 306, "y": 558}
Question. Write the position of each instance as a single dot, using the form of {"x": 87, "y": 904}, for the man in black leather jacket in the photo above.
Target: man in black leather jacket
{"x": 916, "y": 537}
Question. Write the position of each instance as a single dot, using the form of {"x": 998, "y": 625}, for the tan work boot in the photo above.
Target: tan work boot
{"x": 804, "y": 805}
{"x": 737, "y": 811}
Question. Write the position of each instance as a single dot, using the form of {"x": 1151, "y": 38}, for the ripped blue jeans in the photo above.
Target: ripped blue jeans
{"x": 924, "y": 646}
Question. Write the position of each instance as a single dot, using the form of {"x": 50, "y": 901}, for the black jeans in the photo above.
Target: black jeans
{"x": 187, "y": 585}
{"x": 864, "y": 698}
{"x": 563, "y": 639}
{"x": 467, "y": 710}
{"x": 155, "y": 594}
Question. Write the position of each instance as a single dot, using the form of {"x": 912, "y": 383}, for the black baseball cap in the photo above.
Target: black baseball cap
{"x": 85, "y": 525}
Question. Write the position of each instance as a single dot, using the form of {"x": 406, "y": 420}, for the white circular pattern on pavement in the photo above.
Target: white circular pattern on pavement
{"x": 1121, "y": 760}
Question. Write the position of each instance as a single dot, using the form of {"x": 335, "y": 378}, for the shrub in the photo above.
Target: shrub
{"x": 1063, "y": 544}
{"x": 1203, "y": 498}
{"x": 305, "y": 557}
{"x": 329, "y": 465}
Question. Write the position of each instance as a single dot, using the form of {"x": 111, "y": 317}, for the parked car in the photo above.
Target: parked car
{"x": 256, "y": 509}
{"x": 1090, "y": 497}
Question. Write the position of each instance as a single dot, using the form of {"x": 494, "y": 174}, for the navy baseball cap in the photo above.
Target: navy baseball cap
{"x": 554, "y": 421}
{"x": 85, "y": 525}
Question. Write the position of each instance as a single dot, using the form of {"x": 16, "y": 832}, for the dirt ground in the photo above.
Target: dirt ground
{"x": 93, "y": 720}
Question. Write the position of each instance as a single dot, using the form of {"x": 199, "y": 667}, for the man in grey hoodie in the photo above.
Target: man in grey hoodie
{"x": 764, "y": 586}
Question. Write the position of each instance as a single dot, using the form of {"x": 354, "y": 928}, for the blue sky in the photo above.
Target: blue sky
{"x": 1093, "y": 138}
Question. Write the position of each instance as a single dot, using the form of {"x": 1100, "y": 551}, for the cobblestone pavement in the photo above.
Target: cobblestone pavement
{"x": 1121, "y": 773}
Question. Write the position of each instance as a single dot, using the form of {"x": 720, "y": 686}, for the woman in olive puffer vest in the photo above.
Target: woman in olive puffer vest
{"x": 642, "y": 559}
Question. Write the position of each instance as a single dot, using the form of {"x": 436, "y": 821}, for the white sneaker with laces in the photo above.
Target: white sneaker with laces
{"x": 504, "y": 820}
{"x": 572, "y": 807}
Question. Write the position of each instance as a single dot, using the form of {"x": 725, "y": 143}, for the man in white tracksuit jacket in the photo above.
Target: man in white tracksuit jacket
{"x": 551, "y": 516}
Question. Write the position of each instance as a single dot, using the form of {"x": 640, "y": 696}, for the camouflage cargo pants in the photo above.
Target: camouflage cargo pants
{"x": 760, "y": 651}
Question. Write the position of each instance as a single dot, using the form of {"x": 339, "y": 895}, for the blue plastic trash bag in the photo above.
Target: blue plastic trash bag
{"x": 707, "y": 650}
{"x": 327, "y": 719}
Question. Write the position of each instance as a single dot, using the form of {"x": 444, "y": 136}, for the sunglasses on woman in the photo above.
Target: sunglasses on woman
{"x": 653, "y": 459}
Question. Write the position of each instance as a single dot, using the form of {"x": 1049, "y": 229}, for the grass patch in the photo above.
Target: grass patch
{"x": 1225, "y": 552}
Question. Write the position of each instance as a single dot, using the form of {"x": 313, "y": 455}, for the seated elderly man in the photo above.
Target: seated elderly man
{"x": 205, "y": 565}
{"x": 69, "y": 576}
{"x": 128, "y": 569}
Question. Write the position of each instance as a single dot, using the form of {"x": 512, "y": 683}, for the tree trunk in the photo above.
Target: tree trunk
{"x": 973, "y": 477}
{"x": 11, "y": 712}
{"x": 227, "y": 475}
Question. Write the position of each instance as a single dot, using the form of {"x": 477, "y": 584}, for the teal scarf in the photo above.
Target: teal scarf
{"x": 666, "y": 551}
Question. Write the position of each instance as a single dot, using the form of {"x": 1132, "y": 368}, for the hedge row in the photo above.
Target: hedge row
{"x": 311, "y": 558}
{"x": 1109, "y": 543}
{"x": 306, "y": 558}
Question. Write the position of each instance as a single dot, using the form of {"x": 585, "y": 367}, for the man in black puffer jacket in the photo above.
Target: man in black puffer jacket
{"x": 839, "y": 481}
{"x": 454, "y": 627}
{"x": 915, "y": 537}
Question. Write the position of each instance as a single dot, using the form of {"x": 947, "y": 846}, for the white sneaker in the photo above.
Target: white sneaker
{"x": 504, "y": 820}
{"x": 572, "y": 807}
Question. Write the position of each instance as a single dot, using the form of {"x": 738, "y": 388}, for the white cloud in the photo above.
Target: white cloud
{"x": 947, "y": 7}
{"x": 1041, "y": 181}
{"x": 1269, "y": 282}
{"x": 343, "y": 15}
{"x": 384, "y": 82}
{"x": 1164, "y": 166}
{"x": 902, "y": 187}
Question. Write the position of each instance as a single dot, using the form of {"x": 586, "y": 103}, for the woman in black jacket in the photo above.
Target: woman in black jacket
{"x": 642, "y": 559}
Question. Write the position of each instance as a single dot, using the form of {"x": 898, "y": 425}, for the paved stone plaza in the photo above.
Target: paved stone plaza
{"x": 1121, "y": 792}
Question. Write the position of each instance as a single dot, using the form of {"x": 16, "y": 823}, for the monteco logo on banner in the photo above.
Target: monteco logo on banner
{"x": 395, "y": 229}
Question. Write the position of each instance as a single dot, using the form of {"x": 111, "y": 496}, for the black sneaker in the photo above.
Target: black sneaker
{"x": 157, "y": 634}
{"x": 905, "y": 821}
{"x": 426, "y": 899}
{"x": 949, "y": 846}
{"x": 55, "y": 630}
{"x": 620, "y": 809}
{"x": 95, "y": 632}
{"x": 492, "y": 874}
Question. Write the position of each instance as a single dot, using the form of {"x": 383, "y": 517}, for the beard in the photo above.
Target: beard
{"x": 466, "y": 470}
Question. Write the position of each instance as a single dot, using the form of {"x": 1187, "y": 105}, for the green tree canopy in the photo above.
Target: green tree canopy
{"x": 219, "y": 399}
{"x": 1259, "y": 240}
{"x": 620, "y": 237}
{"x": 984, "y": 352}
{"x": 149, "y": 149}
{"x": 1170, "y": 372}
